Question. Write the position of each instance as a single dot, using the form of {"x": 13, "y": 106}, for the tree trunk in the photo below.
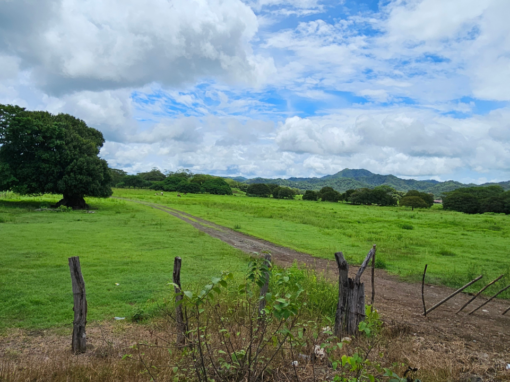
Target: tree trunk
{"x": 76, "y": 202}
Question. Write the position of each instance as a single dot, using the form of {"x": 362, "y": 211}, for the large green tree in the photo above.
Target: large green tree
{"x": 57, "y": 154}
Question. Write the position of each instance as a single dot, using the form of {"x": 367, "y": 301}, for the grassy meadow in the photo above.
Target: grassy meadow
{"x": 133, "y": 245}
{"x": 121, "y": 243}
{"x": 457, "y": 247}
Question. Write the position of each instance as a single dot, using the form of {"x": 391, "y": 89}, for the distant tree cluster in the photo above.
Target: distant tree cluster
{"x": 478, "y": 200}
{"x": 417, "y": 199}
{"x": 264, "y": 190}
{"x": 181, "y": 181}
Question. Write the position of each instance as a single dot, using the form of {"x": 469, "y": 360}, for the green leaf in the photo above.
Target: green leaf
{"x": 188, "y": 294}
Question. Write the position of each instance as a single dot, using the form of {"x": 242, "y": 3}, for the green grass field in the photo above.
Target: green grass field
{"x": 457, "y": 247}
{"x": 134, "y": 246}
{"x": 122, "y": 242}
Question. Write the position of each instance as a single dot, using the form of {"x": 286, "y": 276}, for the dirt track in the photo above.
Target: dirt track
{"x": 486, "y": 330}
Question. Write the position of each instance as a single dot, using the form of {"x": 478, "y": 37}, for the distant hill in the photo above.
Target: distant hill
{"x": 360, "y": 178}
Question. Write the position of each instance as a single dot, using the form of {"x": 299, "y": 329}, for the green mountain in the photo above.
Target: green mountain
{"x": 360, "y": 178}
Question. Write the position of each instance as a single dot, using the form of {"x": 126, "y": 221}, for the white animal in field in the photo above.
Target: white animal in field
{"x": 161, "y": 194}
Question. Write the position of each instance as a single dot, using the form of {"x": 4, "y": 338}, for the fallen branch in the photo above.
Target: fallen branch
{"x": 490, "y": 299}
{"x": 453, "y": 294}
{"x": 505, "y": 311}
{"x": 476, "y": 295}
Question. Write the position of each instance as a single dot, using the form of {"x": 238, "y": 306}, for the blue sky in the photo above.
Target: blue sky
{"x": 273, "y": 88}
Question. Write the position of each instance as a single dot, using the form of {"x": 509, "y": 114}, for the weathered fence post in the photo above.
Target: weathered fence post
{"x": 265, "y": 287}
{"x": 508, "y": 309}
{"x": 179, "y": 318}
{"x": 351, "y": 296}
{"x": 79, "y": 342}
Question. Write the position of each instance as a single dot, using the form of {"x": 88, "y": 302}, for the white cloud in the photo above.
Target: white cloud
{"x": 100, "y": 44}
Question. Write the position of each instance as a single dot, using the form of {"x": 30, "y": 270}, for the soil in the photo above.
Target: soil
{"x": 486, "y": 330}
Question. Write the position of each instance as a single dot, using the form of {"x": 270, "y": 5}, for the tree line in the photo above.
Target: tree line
{"x": 181, "y": 181}
{"x": 382, "y": 195}
{"x": 478, "y": 200}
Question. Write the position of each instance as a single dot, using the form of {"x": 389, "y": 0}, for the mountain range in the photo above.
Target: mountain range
{"x": 361, "y": 178}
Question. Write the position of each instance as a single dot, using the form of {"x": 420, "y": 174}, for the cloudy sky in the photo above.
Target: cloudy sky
{"x": 272, "y": 88}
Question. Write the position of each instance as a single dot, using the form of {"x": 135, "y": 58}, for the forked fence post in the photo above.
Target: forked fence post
{"x": 351, "y": 296}
{"x": 265, "y": 287}
{"x": 179, "y": 318}
{"x": 79, "y": 341}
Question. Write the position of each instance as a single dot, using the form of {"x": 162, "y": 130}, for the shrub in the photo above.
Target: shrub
{"x": 285, "y": 193}
{"x": 413, "y": 202}
{"x": 188, "y": 187}
{"x": 258, "y": 189}
{"x": 310, "y": 195}
{"x": 217, "y": 186}
{"x": 427, "y": 198}
{"x": 407, "y": 226}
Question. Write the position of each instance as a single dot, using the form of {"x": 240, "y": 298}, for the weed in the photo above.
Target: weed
{"x": 447, "y": 252}
{"x": 407, "y": 226}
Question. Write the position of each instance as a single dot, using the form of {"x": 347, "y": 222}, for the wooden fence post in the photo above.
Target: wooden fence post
{"x": 343, "y": 290}
{"x": 179, "y": 318}
{"x": 351, "y": 296}
{"x": 265, "y": 287}
{"x": 79, "y": 342}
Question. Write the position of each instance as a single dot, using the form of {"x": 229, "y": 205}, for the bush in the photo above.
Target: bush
{"x": 258, "y": 189}
{"x": 331, "y": 196}
{"x": 328, "y": 194}
{"x": 473, "y": 200}
{"x": 407, "y": 226}
{"x": 286, "y": 193}
{"x": 413, "y": 202}
{"x": 462, "y": 202}
{"x": 217, "y": 186}
{"x": 310, "y": 195}
{"x": 188, "y": 187}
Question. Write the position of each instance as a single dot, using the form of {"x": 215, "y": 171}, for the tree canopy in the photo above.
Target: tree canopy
{"x": 473, "y": 200}
{"x": 45, "y": 153}
{"x": 413, "y": 202}
{"x": 310, "y": 195}
{"x": 258, "y": 189}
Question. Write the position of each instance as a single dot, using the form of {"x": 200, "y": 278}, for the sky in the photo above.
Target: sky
{"x": 272, "y": 88}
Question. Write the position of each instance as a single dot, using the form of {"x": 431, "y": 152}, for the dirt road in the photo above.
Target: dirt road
{"x": 487, "y": 330}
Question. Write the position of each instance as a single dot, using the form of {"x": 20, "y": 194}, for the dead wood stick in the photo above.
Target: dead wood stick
{"x": 364, "y": 265}
{"x": 490, "y": 299}
{"x": 343, "y": 289}
{"x": 423, "y": 290}
{"x": 79, "y": 341}
{"x": 453, "y": 294}
{"x": 505, "y": 311}
{"x": 265, "y": 287}
{"x": 476, "y": 295}
{"x": 179, "y": 318}
{"x": 373, "y": 278}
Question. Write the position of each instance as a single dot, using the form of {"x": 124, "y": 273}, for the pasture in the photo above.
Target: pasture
{"x": 133, "y": 245}
{"x": 121, "y": 243}
{"x": 457, "y": 247}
